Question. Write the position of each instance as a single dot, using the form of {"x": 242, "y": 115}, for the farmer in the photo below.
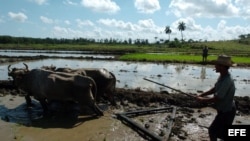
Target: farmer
{"x": 223, "y": 95}
{"x": 204, "y": 54}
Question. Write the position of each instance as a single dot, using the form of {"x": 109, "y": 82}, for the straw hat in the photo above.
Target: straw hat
{"x": 224, "y": 60}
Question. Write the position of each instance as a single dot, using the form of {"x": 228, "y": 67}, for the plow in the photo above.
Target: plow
{"x": 126, "y": 118}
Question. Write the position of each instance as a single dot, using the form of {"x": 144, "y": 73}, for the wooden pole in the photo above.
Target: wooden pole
{"x": 170, "y": 87}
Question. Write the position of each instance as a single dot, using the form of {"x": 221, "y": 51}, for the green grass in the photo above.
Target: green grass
{"x": 177, "y": 58}
{"x": 241, "y": 60}
{"x": 163, "y": 57}
{"x": 227, "y": 47}
{"x": 188, "y": 53}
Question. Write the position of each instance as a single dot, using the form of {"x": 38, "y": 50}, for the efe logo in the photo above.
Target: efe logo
{"x": 236, "y": 132}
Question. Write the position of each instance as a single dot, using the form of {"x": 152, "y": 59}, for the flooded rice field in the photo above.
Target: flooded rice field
{"x": 22, "y": 123}
{"x": 185, "y": 77}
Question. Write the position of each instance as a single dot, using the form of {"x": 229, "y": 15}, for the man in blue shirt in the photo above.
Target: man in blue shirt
{"x": 223, "y": 98}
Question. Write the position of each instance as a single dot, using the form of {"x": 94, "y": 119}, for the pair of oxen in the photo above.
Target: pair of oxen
{"x": 84, "y": 86}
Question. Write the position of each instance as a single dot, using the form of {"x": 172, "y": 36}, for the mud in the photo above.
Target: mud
{"x": 18, "y": 122}
{"x": 191, "y": 120}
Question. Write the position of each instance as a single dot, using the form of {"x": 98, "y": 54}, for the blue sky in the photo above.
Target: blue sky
{"x": 124, "y": 19}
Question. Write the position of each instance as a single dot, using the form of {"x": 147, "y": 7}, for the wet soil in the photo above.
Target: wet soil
{"x": 191, "y": 120}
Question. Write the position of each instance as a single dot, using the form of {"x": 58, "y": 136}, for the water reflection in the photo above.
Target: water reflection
{"x": 17, "y": 53}
{"x": 203, "y": 73}
{"x": 20, "y": 114}
{"x": 187, "y": 78}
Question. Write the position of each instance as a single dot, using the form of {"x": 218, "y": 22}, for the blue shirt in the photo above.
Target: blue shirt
{"x": 224, "y": 92}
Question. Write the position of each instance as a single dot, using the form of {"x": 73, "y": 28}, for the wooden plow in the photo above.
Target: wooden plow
{"x": 126, "y": 119}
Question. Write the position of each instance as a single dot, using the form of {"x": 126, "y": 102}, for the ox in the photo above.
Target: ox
{"x": 105, "y": 80}
{"x": 48, "y": 85}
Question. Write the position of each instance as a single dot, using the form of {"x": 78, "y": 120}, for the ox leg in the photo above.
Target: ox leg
{"x": 44, "y": 106}
{"x": 92, "y": 104}
{"x": 97, "y": 109}
{"x": 112, "y": 100}
{"x": 28, "y": 101}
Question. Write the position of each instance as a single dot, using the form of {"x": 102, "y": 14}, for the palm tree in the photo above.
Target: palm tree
{"x": 181, "y": 28}
{"x": 168, "y": 31}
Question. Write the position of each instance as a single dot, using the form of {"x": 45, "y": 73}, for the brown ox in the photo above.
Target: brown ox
{"x": 49, "y": 85}
{"x": 104, "y": 79}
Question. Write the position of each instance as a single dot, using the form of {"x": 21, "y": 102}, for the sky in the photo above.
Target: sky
{"x": 205, "y": 20}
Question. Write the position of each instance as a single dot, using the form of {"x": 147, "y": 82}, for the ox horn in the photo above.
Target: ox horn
{"x": 26, "y": 66}
{"x": 9, "y": 68}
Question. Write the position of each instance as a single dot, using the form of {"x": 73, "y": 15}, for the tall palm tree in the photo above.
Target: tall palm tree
{"x": 168, "y": 31}
{"x": 181, "y": 27}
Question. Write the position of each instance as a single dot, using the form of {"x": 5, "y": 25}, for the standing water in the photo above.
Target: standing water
{"x": 185, "y": 77}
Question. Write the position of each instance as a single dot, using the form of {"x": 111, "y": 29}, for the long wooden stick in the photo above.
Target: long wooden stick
{"x": 169, "y": 87}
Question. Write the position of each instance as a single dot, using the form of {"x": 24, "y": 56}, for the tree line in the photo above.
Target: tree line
{"x": 5, "y": 39}
{"x": 244, "y": 39}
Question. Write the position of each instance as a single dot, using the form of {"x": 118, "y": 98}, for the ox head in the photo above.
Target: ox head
{"x": 17, "y": 73}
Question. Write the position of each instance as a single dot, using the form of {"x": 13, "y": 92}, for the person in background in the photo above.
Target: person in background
{"x": 223, "y": 98}
{"x": 204, "y": 54}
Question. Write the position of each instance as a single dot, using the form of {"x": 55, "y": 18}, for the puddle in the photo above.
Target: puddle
{"x": 14, "y": 109}
{"x": 185, "y": 77}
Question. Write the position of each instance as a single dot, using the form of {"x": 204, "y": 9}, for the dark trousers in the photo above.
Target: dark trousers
{"x": 221, "y": 121}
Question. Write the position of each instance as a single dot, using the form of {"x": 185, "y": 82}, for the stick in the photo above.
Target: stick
{"x": 169, "y": 87}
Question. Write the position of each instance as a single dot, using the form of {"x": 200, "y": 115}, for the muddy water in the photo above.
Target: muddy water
{"x": 19, "y": 113}
{"x": 189, "y": 78}
{"x": 94, "y": 129}
{"x": 185, "y": 77}
{"x": 17, "y": 53}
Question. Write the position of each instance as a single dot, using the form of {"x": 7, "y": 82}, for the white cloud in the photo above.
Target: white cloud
{"x": 146, "y": 23}
{"x": 222, "y": 25}
{"x": 118, "y": 24}
{"x": 39, "y": 2}
{"x": 21, "y": 17}
{"x": 190, "y": 23}
{"x": 46, "y": 20}
{"x": 81, "y": 23}
{"x": 148, "y": 26}
{"x": 103, "y": 6}
{"x": 67, "y": 22}
{"x": 69, "y": 2}
{"x": 143, "y": 29}
{"x": 147, "y": 6}
{"x": 245, "y": 8}
{"x": 204, "y": 8}
{"x": 196, "y": 32}
{"x": 61, "y": 32}
{"x": 243, "y": 2}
